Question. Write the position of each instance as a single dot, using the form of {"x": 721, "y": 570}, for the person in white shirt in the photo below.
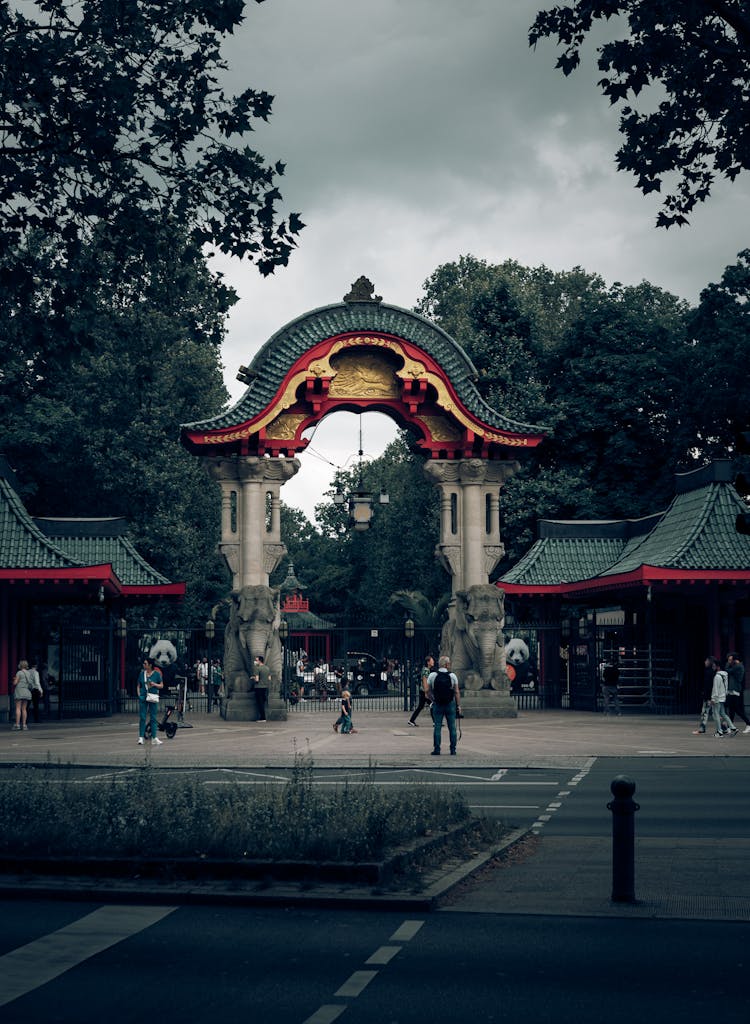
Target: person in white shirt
{"x": 718, "y": 699}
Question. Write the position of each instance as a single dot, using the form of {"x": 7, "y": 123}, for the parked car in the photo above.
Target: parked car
{"x": 363, "y": 676}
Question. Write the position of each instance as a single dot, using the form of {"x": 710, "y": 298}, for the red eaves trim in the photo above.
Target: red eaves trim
{"x": 102, "y": 574}
{"x": 155, "y": 590}
{"x": 644, "y": 576}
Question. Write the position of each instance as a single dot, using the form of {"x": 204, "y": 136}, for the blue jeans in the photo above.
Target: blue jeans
{"x": 720, "y": 715}
{"x": 143, "y": 712}
{"x": 439, "y": 712}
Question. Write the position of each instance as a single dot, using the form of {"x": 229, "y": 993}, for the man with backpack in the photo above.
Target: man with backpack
{"x": 445, "y": 696}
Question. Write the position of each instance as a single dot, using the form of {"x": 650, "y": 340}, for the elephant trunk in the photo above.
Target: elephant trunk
{"x": 254, "y": 640}
{"x": 487, "y": 649}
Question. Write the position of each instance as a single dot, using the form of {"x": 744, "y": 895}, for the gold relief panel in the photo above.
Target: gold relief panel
{"x": 363, "y": 375}
{"x": 440, "y": 429}
{"x": 284, "y": 427}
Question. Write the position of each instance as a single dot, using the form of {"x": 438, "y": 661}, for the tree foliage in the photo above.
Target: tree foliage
{"x": 695, "y": 56}
{"x": 109, "y": 108}
{"x": 605, "y": 368}
{"x": 93, "y": 429}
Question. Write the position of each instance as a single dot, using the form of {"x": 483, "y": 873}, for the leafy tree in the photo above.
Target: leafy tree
{"x": 618, "y": 394}
{"x": 94, "y": 430}
{"x": 696, "y": 58}
{"x": 603, "y": 368}
{"x": 109, "y": 107}
{"x": 718, "y": 386}
{"x": 378, "y": 561}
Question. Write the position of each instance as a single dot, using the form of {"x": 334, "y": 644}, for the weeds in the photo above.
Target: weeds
{"x": 48, "y": 813}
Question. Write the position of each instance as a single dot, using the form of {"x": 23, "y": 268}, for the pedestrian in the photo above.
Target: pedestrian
{"x": 445, "y": 694}
{"x": 610, "y": 683}
{"x": 22, "y": 686}
{"x": 736, "y": 689}
{"x": 718, "y": 699}
{"x": 150, "y": 682}
{"x": 708, "y": 685}
{"x": 345, "y": 718}
{"x": 262, "y": 680}
{"x": 424, "y": 686}
{"x": 36, "y": 689}
{"x": 202, "y": 674}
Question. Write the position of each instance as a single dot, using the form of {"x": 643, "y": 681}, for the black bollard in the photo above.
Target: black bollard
{"x": 623, "y": 809}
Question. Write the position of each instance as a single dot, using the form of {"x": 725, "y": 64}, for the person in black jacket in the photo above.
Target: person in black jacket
{"x": 736, "y": 689}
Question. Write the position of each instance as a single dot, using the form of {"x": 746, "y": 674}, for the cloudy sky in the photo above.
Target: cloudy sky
{"x": 417, "y": 131}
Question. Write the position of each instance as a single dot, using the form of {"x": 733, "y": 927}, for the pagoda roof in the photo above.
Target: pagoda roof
{"x": 270, "y": 366}
{"x": 693, "y": 539}
{"x": 87, "y": 551}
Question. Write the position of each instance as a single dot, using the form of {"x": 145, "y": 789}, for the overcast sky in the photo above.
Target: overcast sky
{"x": 417, "y": 131}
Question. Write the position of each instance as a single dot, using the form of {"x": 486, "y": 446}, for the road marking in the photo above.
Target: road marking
{"x": 44, "y": 959}
{"x": 356, "y": 983}
{"x": 383, "y": 955}
{"x": 504, "y": 807}
{"x": 406, "y": 931}
{"x": 325, "y": 1014}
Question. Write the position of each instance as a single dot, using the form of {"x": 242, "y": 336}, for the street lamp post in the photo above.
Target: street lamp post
{"x": 210, "y": 631}
{"x": 409, "y": 634}
{"x": 121, "y": 632}
{"x": 284, "y": 636}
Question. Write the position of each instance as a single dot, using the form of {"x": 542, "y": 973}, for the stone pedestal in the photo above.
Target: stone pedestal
{"x": 242, "y": 708}
{"x": 488, "y": 704}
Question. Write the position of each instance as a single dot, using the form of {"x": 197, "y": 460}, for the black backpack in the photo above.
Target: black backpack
{"x": 442, "y": 687}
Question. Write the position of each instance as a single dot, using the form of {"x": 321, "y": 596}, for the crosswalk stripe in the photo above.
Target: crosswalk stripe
{"x": 36, "y": 963}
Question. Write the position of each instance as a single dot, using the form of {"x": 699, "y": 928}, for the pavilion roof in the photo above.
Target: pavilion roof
{"x": 270, "y": 365}
{"x": 71, "y": 550}
{"x": 694, "y": 538}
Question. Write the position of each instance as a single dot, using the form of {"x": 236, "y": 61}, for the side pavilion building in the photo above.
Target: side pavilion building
{"x": 90, "y": 564}
{"x": 656, "y": 594}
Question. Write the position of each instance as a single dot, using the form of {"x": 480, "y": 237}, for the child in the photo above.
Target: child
{"x": 345, "y": 718}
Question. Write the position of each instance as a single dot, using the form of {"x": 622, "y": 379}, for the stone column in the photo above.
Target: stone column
{"x": 470, "y": 548}
{"x": 251, "y": 548}
{"x": 467, "y": 548}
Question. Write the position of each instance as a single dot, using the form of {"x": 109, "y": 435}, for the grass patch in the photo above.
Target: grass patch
{"x": 47, "y": 813}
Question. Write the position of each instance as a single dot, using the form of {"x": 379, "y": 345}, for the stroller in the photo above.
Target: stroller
{"x": 164, "y": 724}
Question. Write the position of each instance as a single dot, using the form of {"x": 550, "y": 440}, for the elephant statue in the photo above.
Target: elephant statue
{"x": 252, "y": 630}
{"x": 473, "y": 638}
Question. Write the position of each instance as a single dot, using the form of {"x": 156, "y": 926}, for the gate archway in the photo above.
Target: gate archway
{"x": 361, "y": 355}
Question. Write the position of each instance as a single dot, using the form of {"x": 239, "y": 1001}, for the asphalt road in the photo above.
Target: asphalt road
{"x": 242, "y": 966}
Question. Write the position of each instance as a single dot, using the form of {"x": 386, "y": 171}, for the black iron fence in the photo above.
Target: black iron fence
{"x": 93, "y": 670}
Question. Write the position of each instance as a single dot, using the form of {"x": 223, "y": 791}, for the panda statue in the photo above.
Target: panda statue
{"x": 164, "y": 654}
{"x": 520, "y": 667}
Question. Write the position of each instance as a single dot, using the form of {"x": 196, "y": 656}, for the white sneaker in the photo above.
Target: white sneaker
{"x": 140, "y": 741}
{"x": 746, "y": 729}
{"x": 157, "y": 741}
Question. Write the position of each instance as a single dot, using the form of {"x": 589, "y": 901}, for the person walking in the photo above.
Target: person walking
{"x": 150, "y": 682}
{"x": 708, "y": 685}
{"x": 445, "y": 694}
{"x": 36, "y": 689}
{"x": 736, "y": 689}
{"x": 22, "y": 686}
{"x": 610, "y": 683}
{"x": 718, "y": 699}
{"x": 424, "y": 686}
{"x": 345, "y": 718}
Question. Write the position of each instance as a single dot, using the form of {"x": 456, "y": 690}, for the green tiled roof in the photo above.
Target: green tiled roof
{"x": 696, "y": 532}
{"x": 278, "y": 354}
{"x": 22, "y": 544}
{"x": 99, "y": 542}
{"x": 27, "y": 543}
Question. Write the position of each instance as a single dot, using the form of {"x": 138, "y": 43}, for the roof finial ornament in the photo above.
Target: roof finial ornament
{"x": 363, "y": 291}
